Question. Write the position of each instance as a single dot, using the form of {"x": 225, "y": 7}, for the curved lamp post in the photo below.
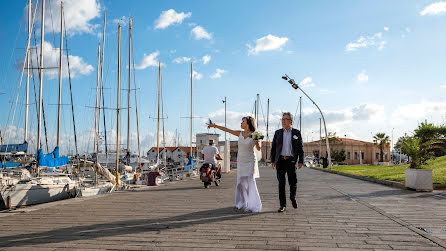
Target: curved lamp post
{"x": 296, "y": 86}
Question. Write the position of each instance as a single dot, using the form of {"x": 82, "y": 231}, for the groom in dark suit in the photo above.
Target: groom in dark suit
{"x": 286, "y": 150}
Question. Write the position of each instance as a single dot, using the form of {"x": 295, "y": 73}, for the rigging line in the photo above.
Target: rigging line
{"x": 162, "y": 111}
{"x": 52, "y": 23}
{"x": 44, "y": 126}
{"x": 297, "y": 108}
{"x": 69, "y": 80}
{"x": 12, "y": 53}
{"x": 102, "y": 83}
{"x": 261, "y": 107}
{"x": 19, "y": 81}
{"x": 136, "y": 105}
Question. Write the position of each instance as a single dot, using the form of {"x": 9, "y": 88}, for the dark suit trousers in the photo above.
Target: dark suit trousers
{"x": 286, "y": 167}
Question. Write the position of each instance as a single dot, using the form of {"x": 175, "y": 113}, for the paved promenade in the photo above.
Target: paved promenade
{"x": 335, "y": 213}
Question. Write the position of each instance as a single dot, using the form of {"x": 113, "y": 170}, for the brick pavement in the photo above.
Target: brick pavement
{"x": 335, "y": 213}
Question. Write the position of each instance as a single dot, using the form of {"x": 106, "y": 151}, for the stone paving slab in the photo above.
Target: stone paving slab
{"x": 335, "y": 213}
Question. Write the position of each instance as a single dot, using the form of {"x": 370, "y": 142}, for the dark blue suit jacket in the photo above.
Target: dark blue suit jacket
{"x": 296, "y": 142}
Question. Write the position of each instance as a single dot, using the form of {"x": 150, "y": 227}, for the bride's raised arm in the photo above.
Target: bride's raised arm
{"x": 224, "y": 129}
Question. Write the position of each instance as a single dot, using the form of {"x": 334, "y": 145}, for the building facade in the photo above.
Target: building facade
{"x": 202, "y": 140}
{"x": 357, "y": 152}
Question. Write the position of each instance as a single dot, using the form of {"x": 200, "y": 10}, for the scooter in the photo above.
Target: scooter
{"x": 209, "y": 175}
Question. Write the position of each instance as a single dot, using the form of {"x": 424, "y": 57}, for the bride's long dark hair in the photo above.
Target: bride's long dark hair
{"x": 251, "y": 123}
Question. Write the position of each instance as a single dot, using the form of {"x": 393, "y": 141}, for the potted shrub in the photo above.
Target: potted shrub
{"x": 418, "y": 178}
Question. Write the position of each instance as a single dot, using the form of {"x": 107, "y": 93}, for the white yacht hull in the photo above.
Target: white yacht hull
{"x": 29, "y": 194}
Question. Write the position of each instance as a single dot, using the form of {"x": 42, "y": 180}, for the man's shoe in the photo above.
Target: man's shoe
{"x": 294, "y": 202}
{"x": 281, "y": 209}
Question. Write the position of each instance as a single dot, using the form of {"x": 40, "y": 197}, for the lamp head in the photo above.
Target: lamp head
{"x": 285, "y": 77}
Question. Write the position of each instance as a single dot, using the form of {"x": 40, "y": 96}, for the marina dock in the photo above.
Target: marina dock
{"x": 335, "y": 213}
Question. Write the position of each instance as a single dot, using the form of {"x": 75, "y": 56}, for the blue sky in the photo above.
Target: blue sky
{"x": 372, "y": 66}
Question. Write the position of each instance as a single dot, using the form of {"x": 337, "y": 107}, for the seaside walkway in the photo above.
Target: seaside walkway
{"x": 335, "y": 213}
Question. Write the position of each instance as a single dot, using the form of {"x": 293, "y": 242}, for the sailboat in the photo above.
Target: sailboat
{"x": 47, "y": 186}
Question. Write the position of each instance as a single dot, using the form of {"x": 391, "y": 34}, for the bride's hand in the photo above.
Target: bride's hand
{"x": 257, "y": 143}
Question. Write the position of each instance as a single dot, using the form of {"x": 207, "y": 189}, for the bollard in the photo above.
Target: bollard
{"x": 8, "y": 202}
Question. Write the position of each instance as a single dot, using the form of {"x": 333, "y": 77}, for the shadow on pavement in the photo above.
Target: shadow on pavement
{"x": 124, "y": 227}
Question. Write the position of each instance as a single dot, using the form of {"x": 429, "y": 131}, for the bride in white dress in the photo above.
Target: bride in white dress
{"x": 246, "y": 194}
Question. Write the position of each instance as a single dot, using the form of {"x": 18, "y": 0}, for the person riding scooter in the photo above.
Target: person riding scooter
{"x": 211, "y": 155}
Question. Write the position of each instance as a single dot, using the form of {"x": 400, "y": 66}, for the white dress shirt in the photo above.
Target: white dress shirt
{"x": 287, "y": 147}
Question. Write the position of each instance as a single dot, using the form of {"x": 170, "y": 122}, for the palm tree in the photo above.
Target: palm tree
{"x": 381, "y": 140}
{"x": 419, "y": 152}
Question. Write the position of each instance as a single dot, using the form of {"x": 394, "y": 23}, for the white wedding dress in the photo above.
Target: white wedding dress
{"x": 246, "y": 194}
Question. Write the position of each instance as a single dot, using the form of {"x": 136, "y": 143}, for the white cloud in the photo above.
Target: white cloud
{"x": 149, "y": 61}
{"x": 375, "y": 40}
{"x": 51, "y": 59}
{"x": 122, "y": 20}
{"x": 435, "y": 9}
{"x": 169, "y": 17}
{"x": 200, "y": 33}
{"x": 267, "y": 43}
{"x": 206, "y": 59}
{"x": 323, "y": 90}
{"x": 197, "y": 75}
{"x": 363, "y": 77}
{"x": 418, "y": 111}
{"x": 386, "y": 28}
{"x": 181, "y": 60}
{"x": 443, "y": 86}
{"x": 78, "y": 16}
{"x": 307, "y": 82}
{"x": 218, "y": 73}
{"x": 367, "y": 112}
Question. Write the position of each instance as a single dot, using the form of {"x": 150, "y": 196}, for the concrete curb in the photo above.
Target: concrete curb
{"x": 378, "y": 181}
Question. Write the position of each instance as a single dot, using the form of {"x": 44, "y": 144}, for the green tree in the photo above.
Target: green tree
{"x": 399, "y": 143}
{"x": 435, "y": 134}
{"x": 418, "y": 152}
{"x": 332, "y": 138}
{"x": 339, "y": 156}
{"x": 381, "y": 140}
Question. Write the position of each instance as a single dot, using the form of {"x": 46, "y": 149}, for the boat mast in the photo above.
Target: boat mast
{"x": 136, "y": 109}
{"x": 158, "y": 116}
{"x": 27, "y": 70}
{"x": 96, "y": 106}
{"x": 39, "y": 114}
{"x": 267, "y": 130}
{"x": 257, "y": 109}
{"x": 300, "y": 115}
{"x": 162, "y": 117}
{"x": 128, "y": 91}
{"x": 117, "y": 107}
{"x": 191, "y": 118}
{"x": 101, "y": 89}
{"x": 60, "y": 73}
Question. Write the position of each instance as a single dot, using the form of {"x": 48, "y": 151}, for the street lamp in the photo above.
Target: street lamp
{"x": 296, "y": 86}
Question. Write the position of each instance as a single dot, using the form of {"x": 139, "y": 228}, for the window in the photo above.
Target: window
{"x": 356, "y": 155}
{"x": 376, "y": 155}
{"x": 362, "y": 155}
{"x": 348, "y": 155}
{"x": 385, "y": 156}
